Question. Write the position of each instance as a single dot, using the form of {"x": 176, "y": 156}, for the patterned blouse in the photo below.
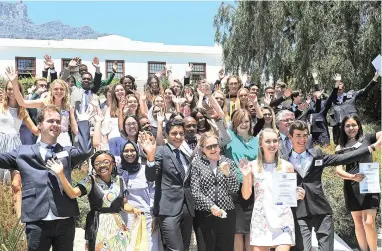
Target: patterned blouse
{"x": 208, "y": 188}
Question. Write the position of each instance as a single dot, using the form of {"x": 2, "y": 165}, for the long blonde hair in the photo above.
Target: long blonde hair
{"x": 238, "y": 102}
{"x": 260, "y": 155}
{"x": 65, "y": 103}
{"x": 21, "y": 112}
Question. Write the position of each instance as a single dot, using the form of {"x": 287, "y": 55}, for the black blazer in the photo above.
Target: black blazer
{"x": 41, "y": 189}
{"x": 171, "y": 190}
{"x": 315, "y": 202}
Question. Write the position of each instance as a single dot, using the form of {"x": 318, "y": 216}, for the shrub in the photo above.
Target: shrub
{"x": 83, "y": 203}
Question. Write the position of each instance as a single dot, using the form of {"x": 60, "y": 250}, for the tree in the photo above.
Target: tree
{"x": 290, "y": 39}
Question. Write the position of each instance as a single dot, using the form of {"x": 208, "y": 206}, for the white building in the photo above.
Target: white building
{"x": 135, "y": 58}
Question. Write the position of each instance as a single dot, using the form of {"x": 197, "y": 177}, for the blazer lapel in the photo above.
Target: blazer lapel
{"x": 312, "y": 152}
{"x": 175, "y": 161}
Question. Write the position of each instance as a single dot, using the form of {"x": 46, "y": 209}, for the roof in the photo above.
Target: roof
{"x": 110, "y": 43}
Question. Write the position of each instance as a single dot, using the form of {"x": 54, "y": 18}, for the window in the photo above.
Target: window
{"x": 154, "y": 67}
{"x": 198, "y": 71}
{"x": 26, "y": 67}
{"x": 120, "y": 69}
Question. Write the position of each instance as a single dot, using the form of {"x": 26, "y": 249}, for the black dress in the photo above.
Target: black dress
{"x": 354, "y": 200}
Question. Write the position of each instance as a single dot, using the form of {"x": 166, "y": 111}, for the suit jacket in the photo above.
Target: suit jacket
{"x": 315, "y": 202}
{"x": 171, "y": 191}
{"x": 41, "y": 189}
{"x": 283, "y": 149}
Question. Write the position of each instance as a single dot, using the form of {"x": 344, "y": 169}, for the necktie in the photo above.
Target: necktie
{"x": 288, "y": 145}
{"x": 87, "y": 92}
{"x": 299, "y": 159}
{"x": 182, "y": 172}
{"x": 49, "y": 153}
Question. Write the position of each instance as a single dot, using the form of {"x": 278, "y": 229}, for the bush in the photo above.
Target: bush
{"x": 83, "y": 203}
{"x": 9, "y": 222}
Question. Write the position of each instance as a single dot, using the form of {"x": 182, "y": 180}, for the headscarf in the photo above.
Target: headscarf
{"x": 134, "y": 167}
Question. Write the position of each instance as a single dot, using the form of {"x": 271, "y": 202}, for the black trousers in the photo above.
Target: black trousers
{"x": 58, "y": 234}
{"x": 218, "y": 233}
{"x": 176, "y": 230}
{"x": 198, "y": 232}
{"x": 324, "y": 228}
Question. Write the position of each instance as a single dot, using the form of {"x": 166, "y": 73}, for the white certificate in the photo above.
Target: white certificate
{"x": 284, "y": 189}
{"x": 377, "y": 63}
{"x": 370, "y": 184}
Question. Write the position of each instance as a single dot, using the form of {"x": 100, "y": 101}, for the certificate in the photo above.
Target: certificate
{"x": 370, "y": 184}
{"x": 284, "y": 189}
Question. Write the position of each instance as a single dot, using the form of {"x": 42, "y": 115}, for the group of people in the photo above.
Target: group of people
{"x": 187, "y": 157}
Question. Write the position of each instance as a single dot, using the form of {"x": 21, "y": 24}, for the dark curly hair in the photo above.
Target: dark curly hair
{"x": 100, "y": 152}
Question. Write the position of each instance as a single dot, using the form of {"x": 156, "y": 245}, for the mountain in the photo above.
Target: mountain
{"x": 14, "y": 23}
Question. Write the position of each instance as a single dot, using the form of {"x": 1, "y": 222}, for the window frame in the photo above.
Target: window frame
{"x": 62, "y": 62}
{"x": 25, "y": 58}
{"x": 112, "y": 61}
{"x": 192, "y": 72}
{"x": 155, "y": 62}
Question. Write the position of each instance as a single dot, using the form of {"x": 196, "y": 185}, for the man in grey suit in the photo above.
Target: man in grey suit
{"x": 46, "y": 209}
{"x": 315, "y": 211}
{"x": 284, "y": 119}
{"x": 173, "y": 202}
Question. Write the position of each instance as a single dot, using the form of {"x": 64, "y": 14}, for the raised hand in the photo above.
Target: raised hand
{"x": 168, "y": 68}
{"x": 252, "y": 97}
{"x": 122, "y": 103}
{"x": 303, "y": 106}
{"x": 41, "y": 90}
{"x": 12, "y": 74}
{"x": 189, "y": 70}
{"x": 205, "y": 88}
{"x": 95, "y": 62}
{"x": 98, "y": 117}
{"x": 224, "y": 168}
{"x": 221, "y": 74}
{"x": 337, "y": 77}
{"x": 87, "y": 115}
{"x": 314, "y": 74}
{"x": 115, "y": 66}
{"x": 245, "y": 167}
{"x": 147, "y": 143}
{"x": 48, "y": 62}
{"x": 137, "y": 94}
{"x": 55, "y": 165}
{"x": 160, "y": 117}
{"x": 376, "y": 75}
{"x": 74, "y": 62}
{"x": 300, "y": 193}
{"x": 189, "y": 96}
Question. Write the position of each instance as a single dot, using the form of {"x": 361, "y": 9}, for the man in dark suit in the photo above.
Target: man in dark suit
{"x": 47, "y": 211}
{"x": 345, "y": 104}
{"x": 314, "y": 210}
{"x": 173, "y": 202}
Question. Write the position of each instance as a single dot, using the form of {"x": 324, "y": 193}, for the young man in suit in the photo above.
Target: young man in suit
{"x": 314, "y": 210}
{"x": 173, "y": 203}
{"x": 47, "y": 211}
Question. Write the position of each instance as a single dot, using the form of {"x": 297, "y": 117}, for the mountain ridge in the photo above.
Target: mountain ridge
{"x": 14, "y": 23}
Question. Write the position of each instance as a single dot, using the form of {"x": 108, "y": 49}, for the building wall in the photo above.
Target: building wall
{"x": 136, "y": 63}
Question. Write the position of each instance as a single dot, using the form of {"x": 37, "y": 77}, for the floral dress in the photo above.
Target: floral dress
{"x": 105, "y": 229}
{"x": 271, "y": 224}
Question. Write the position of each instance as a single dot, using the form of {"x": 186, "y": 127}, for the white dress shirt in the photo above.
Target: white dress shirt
{"x": 43, "y": 150}
{"x": 301, "y": 165}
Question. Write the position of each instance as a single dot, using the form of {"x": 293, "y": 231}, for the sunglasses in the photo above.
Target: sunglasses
{"x": 213, "y": 146}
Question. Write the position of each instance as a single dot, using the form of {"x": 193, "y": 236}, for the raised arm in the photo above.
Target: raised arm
{"x": 13, "y": 77}
{"x": 111, "y": 76}
{"x": 97, "y": 76}
{"x": 30, "y": 125}
{"x": 368, "y": 87}
{"x": 245, "y": 168}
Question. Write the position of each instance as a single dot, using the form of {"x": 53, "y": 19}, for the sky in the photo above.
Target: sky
{"x": 177, "y": 23}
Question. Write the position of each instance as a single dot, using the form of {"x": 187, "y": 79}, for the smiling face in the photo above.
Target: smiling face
{"x": 251, "y": 108}
{"x": 254, "y": 89}
{"x": 132, "y": 103}
{"x": 243, "y": 96}
{"x": 267, "y": 116}
{"x": 159, "y": 101}
{"x": 131, "y": 127}
{"x": 156, "y": 111}
{"x": 190, "y": 126}
{"x": 168, "y": 94}
{"x": 177, "y": 88}
{"x": 128, "y": 84}
{"x": 58, "y": 90}
{"x": 103, "y": 165}
{"x": 219, "y": 98}
{"x": 299, "y": 140}
{"x": 269, "y": 142}
{"x": 129, "y": 153}
{"x": 351, "y": 128}
{"x": 119, "y": 92}
{"x": 50, "y": 127}
{"x": 9, "y": 90}
{"x": 86, "y": 81}
{"x": 176, "y": 136}
{"x": 211, "y": 148}
{"x": 233, "y": 85}
{"x": 244, "y": 126}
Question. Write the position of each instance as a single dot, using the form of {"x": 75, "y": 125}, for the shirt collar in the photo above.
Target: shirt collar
{"x": 45, "y": 145}
{"x": 282, "y": 136}
{"x": 303, "y": 155}
{"x": 172, "y": 147}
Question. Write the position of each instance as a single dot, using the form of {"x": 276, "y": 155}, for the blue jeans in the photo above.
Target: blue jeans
{"x": 59, "y": 234}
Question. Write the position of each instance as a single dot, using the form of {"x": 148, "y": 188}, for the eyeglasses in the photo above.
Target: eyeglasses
{"x": 287, "y": 120}
{"x": 102, "y": 163}
{"x": 233, "y": 84}
{"x": 270, "y": 92}
{"x": 213, "y": 146}
{"x": 132, "y": 124}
